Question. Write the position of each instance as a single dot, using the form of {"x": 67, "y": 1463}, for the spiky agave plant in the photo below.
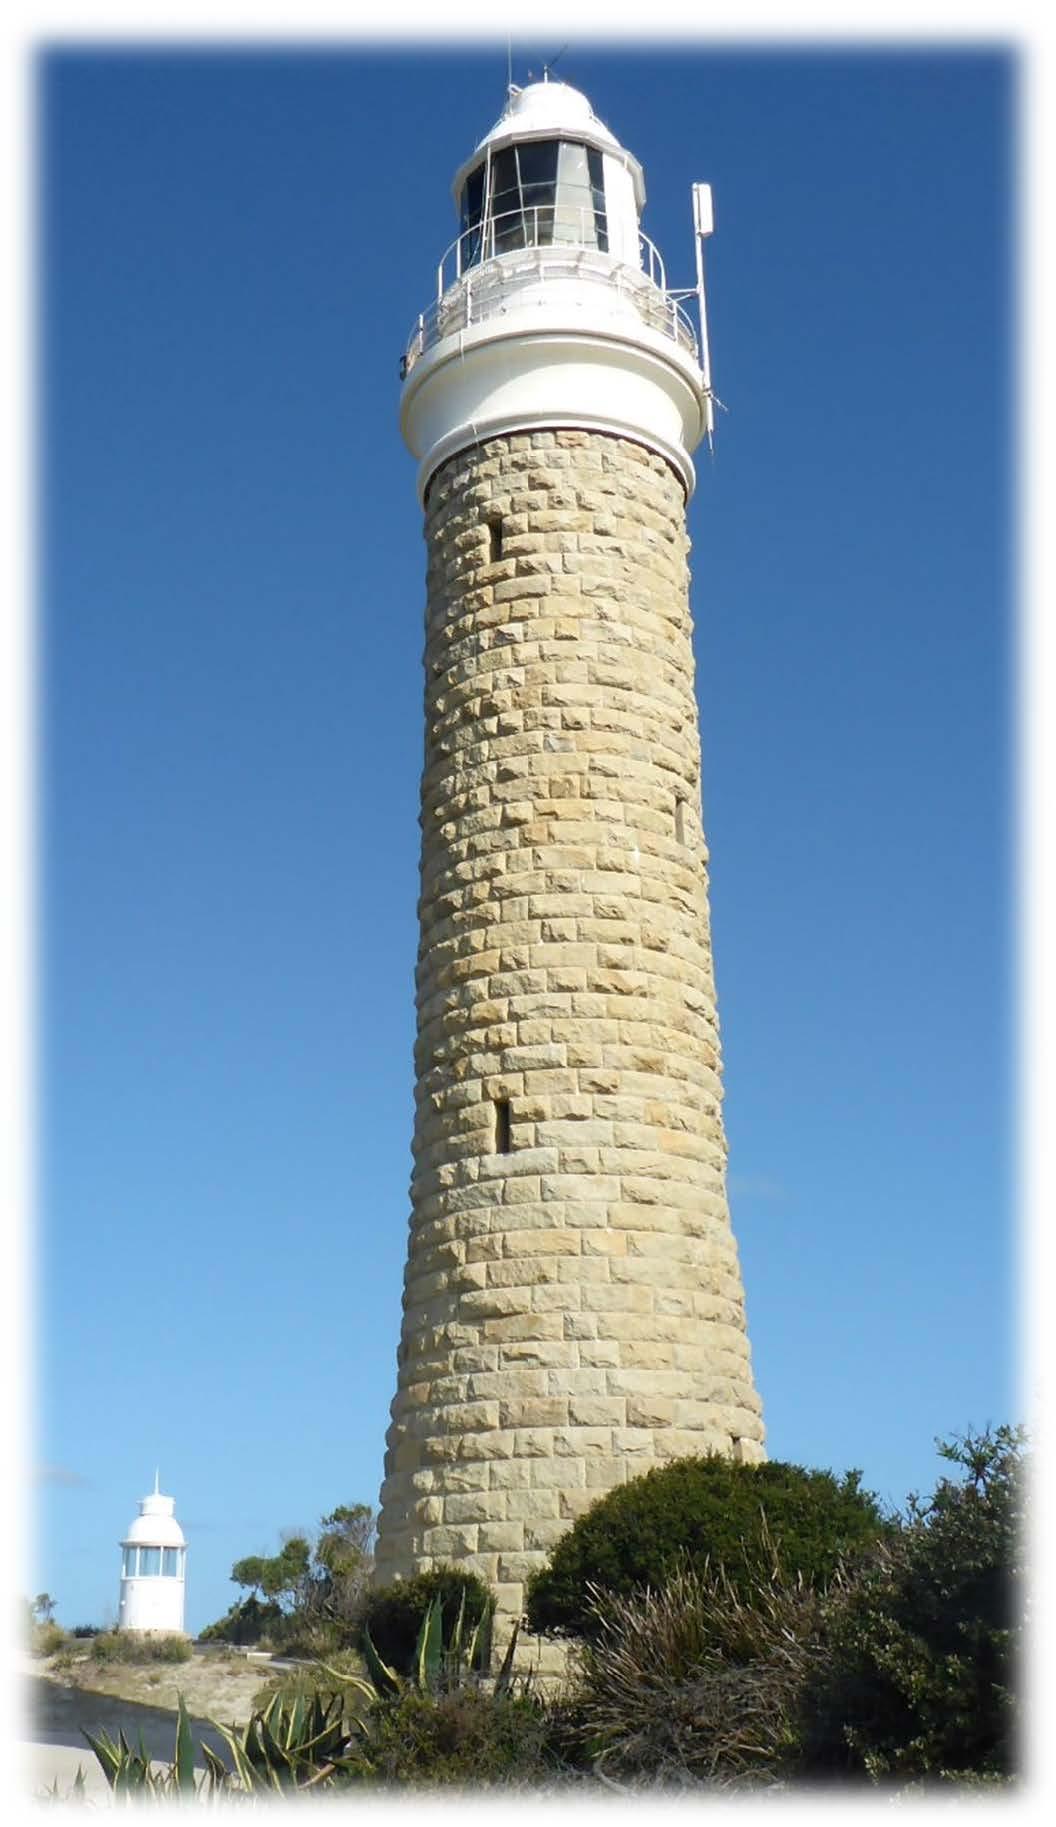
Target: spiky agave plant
{"x": 303, "y": 1743}
{"x": 310, "y": 1741}
{"x": 131, "y": 1772}
{"x": 287, "y": 1745}
{"x": 437, "y": 1667}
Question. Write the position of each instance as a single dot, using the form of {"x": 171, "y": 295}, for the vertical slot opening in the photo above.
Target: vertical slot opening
{"x": 680, "y": 821}
{"x": 503, "y": 1137}
{"x": 494, "y": 538}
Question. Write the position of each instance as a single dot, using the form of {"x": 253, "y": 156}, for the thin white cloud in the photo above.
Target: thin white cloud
{"x": 756, "y": 1186}
{"x": 62, "y": 1475}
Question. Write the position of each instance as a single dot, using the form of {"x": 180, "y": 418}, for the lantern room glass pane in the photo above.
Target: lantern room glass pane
{"x": 472, "y": 211}
{"x": 149, "y": 1561}
{"x": 596, "y": 173}
{"x": 128, "y": 1565}
{"x": 576, "y": 216}
{"x": 170, "y": 1563}
{"x": 505, "y": 211}
{"x": 537, "y": 164}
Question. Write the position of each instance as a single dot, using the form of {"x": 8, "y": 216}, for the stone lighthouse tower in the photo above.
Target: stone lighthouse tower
{"x": 573, "y": 1308}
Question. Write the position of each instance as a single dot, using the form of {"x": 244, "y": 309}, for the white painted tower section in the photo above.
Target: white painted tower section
{"x": 554, "y": 313}
{"x": 153, "y": 1568}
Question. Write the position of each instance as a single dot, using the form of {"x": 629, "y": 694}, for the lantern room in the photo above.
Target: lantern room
{"x": 552, "y": 308}
{"x": 153, "y": 1568}
{"x": 549, "y": 174}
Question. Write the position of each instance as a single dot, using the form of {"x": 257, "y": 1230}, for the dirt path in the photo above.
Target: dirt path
{"x": 214, "y": 1685}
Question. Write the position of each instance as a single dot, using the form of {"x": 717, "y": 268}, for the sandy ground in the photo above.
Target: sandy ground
{"x": 59, "y": 1702}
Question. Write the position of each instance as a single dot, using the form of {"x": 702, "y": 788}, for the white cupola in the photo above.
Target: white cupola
{"x": 552, "y": 308}
{"x": 153, "y": 1567}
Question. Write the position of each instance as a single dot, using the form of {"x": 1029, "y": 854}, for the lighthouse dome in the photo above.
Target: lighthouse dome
{"x": 156, "y": 1523}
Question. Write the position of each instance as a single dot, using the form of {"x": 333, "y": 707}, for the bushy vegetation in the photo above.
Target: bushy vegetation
{"x": 922, "y": 1649}
{"x": 46, "y": 1639}
{"x": 40, "y": 1634}
{"x": 903, "y": 1668}
{"x": 468, "y": 1738}
{"x": 700, "y": 1681}
{"x": 135, "y": 1646}
{"x": 394, "y": 1614}
{"x": 895, "y": 1663}
{"x": 702, "y": 1512}
{"x": 305, "y": 1600}
{"x": 249, "y": 1620}
{"x": 442, "y": 1725}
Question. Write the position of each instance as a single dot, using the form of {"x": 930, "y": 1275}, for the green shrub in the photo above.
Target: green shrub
{"x": 45, "y": 1639}
{"x": 466, "y": 1738}
{"x": 697, "y": 1512}
{"x": 248, "y": 1621}
{"x": 394, "y": 1614}
{"x": 921, "y": 1671}
{"x": 133, "y": 1646}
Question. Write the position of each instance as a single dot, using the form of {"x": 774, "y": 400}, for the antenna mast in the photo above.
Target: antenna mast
{"x": 704, "y": 224}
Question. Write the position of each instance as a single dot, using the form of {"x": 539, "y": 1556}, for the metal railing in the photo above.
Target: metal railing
{"x": 473, "y": 285}
{"x": 544, "y": 225}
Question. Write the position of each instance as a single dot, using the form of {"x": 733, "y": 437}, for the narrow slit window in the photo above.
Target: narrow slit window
{"x": 494, "y": 539}
{"x": 503, "y": 1137}
{"x": 680, "y": 821}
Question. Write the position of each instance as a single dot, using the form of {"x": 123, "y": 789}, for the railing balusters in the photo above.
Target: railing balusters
{"x": 485, "y": 285}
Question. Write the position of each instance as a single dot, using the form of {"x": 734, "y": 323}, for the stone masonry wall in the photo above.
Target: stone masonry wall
{"x": 573, "y": 1309}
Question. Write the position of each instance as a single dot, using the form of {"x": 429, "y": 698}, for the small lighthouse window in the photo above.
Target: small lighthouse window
{"x": 149, "y": 1561}
{"x": 503, "y": 1134}
{"x": 170, "y": 1563}
{"x": 130, "y": 1562}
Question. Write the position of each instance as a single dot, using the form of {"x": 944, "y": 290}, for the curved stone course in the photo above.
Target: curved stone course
{"x": 573, "y": 1308}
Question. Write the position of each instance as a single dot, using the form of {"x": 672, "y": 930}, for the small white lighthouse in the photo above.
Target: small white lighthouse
{"x": 153, "y": 1568}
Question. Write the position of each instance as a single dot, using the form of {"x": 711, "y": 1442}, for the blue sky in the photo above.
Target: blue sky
{"x": 232, "y": 250}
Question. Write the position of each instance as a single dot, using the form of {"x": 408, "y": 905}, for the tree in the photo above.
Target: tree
{"x": 344, "y": 1558}
{"x": 311, "y": 1584}
{"x": 43, "y": 1608}
{"x": 284, "y": 1577}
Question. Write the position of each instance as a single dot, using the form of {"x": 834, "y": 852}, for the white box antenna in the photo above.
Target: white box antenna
{"x": 704, "y": 224}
